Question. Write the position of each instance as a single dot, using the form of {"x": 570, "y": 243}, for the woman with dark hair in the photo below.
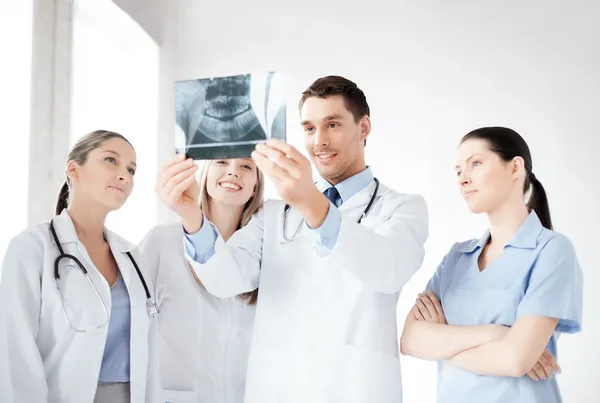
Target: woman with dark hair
{"x": 493, "y": 311}
{"x": 79, "y": 320}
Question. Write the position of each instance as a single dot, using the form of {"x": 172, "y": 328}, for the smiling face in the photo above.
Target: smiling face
{"x": 485, "y": 180}
{"x": 231, "y": 181}
{"x": 334, "y": 139}
{"x": 105, "y": 178}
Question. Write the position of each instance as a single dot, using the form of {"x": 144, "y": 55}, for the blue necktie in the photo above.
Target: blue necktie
{"x": 332, "y": 194}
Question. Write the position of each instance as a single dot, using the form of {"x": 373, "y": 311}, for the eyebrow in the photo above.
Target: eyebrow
{"x": 469, "y": 159}
{"x": 325, "y": 119}
{"x": 118, "y": 155}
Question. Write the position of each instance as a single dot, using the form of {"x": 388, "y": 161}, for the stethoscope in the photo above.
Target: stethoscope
{"x": 151, "y": 306}
{"x": 287, "y": 208}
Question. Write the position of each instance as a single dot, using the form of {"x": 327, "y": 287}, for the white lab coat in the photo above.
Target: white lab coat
{"x": 47, "y": 360}
{"x": 204, "y": 340}
{"x": 326, "y": 328}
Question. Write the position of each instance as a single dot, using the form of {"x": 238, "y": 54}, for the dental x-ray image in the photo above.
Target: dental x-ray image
{"x": 225, "y": 117}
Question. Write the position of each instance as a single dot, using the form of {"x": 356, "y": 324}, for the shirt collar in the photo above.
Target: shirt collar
{"x": 525, "y": 238}
{"x": 65, "y": 230}
{"x": 350, "y": 186}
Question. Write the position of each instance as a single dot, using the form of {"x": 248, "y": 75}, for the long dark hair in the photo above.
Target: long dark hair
{"x": 508, "y": 144}
{"x": 79, "y": 153}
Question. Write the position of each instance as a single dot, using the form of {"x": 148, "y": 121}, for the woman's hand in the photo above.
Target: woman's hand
{"x": 428, "y": 308}
{"x": 544, "y": 368}
{"x": 176, "y": 186}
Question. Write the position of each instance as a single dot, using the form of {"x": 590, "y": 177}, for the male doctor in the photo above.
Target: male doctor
{"x": 329, "y": 269}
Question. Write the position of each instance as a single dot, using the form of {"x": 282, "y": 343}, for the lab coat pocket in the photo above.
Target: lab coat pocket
{"x": 370, "y": 376}
{"x": 470, "y": 307}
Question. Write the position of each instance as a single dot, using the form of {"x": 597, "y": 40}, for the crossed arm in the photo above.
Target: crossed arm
{"x": 492, "y": 350}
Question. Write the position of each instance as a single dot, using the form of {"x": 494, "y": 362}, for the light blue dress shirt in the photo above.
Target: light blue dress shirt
{"x": 115, "y": 361}
{"x": 327, "y": 233}
{"x": 200, "y": 246}
{"x": 536, "y": 274}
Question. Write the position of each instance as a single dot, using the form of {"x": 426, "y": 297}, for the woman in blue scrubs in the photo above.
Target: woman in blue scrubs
{"x": 494, "y": 309}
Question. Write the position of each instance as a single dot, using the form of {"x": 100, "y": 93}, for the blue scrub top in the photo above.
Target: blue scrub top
{"x": 116, "y": 359}
{"x": 536, "y": 274}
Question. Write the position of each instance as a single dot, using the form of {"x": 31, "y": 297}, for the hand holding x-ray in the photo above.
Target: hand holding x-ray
{"x": 176, "y": 186}
{"x": 225, "y": 117}
{"x": 291, "y": 173}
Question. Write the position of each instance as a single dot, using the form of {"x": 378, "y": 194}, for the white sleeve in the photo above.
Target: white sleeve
{"x": 385, "y": 258}
{"x": 20, "y": 294}
{"x": 235, "y": 267}
{"x": 156, "y": 275}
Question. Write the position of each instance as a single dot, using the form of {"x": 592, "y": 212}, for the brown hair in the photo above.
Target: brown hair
{"x": 354, "y": 98}
{"x": 252, "y": 205}
{"x": 508, "y": 144}
{"x": 79, "y": 153}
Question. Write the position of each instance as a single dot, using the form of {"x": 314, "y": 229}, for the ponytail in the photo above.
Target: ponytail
{"x": 538, "y": 202}
{"x": 63, "y": 198}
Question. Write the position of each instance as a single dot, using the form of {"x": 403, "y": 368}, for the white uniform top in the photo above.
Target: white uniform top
{"x": 204, "y": 340}
{"x": 48, "y": 361}
{"x": 326, "y": 327}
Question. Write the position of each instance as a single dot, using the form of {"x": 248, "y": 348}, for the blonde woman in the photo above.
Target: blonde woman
{"x": 204, "y": 340}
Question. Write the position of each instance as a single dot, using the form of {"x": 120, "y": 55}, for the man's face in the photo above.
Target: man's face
{"x": 334, "y": 140}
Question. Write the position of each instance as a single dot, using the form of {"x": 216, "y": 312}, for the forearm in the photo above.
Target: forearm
{"x": 495, "y": 358}
{"x": 200, "y": 246}
{"x": 434, "y": 341}
{"x": 384, "y": 255}
{"x": 229, "y": 272}
{"x": 514, "y": 354}
{"x": 193, "y": 222}
{"x": 234, "y": 268}
{"x": 384, "y": 262}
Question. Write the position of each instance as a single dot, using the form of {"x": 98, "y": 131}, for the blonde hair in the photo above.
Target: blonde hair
{"x": 252, "y": 205}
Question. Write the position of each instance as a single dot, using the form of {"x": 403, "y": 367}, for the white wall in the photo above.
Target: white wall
{"x": 50, "y": 105}
{"x": 16, "y": 40}
{"x": 148, "y": 14}
{"x": 115, "y": 86}
{"x": 431, "y": 72}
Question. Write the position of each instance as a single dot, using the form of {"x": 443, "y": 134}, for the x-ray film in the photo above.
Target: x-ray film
{"x": 225, "y": 117}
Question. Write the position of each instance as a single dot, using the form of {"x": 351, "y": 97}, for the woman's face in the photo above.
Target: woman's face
{"x": 232, "y": 181}
{"x": 484, "y": 179}
{"x": 106, "y": 177}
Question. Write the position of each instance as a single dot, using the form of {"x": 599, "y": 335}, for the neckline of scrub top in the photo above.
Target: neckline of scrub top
{"x": 526, "y": 236}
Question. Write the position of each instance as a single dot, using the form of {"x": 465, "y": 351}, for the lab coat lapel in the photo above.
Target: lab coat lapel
{"x": 65, "y": 230}
{"x": 362, "y": 198}
{"x": 119, "y": 248}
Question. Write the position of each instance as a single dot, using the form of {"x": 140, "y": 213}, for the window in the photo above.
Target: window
{"x": 115, "y": 87}
{"x": 16, "y": 30}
